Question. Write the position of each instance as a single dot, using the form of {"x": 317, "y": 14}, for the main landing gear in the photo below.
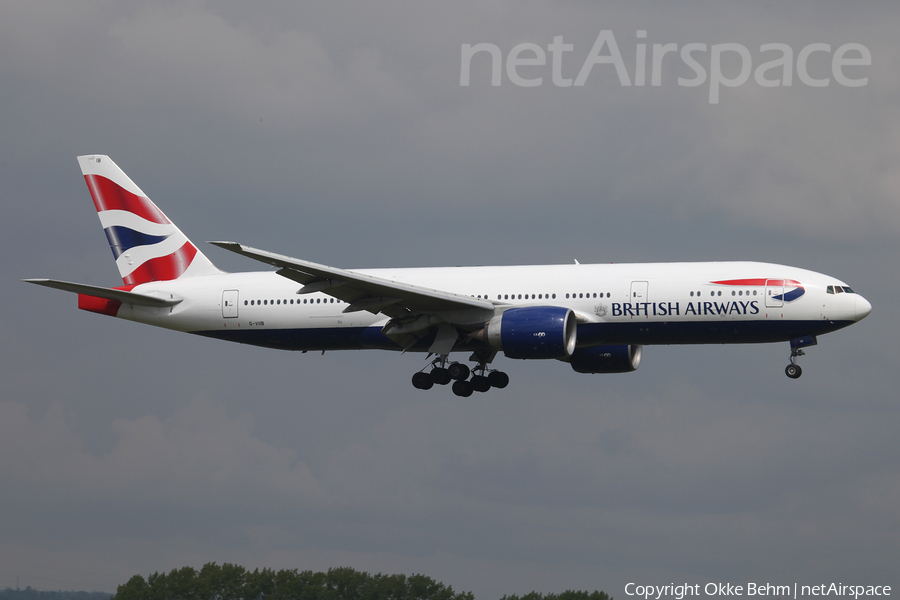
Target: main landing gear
{"x": 443, "y": 373}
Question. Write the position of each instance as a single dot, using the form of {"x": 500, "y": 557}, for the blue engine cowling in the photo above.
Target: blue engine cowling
{"x": 532, "y": 332}
{"x": 607, "y": 359}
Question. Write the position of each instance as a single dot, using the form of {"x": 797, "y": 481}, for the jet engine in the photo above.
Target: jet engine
{"x": 607, "y": 359}
{"x": 532, "y": 332}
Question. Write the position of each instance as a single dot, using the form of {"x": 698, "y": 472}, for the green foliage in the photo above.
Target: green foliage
{"x": 567, "y": 595}
{"x": 31, "y": 594}
{"x": 233, "y": 582}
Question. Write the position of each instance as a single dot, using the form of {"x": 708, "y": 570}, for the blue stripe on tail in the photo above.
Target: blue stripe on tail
{"x": 122, "y": 239}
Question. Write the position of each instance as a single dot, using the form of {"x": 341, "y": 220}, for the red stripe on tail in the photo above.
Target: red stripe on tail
{"x": 163, "y": 268}
{"x": 102, "y": 306}
{"x": 108, "y": 195}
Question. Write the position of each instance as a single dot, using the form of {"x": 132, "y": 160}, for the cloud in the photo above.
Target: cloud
{"x": 200, "y": 456}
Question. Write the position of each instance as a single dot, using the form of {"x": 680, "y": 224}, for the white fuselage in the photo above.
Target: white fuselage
{"x": 652, "y": 303}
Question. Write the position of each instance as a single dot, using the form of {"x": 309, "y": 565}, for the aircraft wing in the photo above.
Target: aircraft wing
{"x": 362, "y": 292}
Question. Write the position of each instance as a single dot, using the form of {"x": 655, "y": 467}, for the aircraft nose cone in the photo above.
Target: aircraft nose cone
{"x": 863, "y": 308}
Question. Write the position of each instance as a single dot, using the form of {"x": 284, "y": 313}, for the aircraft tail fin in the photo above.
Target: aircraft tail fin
{"x": 146, "y": 245}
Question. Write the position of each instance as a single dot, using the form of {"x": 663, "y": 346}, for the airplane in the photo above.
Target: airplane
{"x": 596, "y": 317}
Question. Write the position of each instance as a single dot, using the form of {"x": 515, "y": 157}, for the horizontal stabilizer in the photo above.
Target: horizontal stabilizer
{"x": 107, "y": 293}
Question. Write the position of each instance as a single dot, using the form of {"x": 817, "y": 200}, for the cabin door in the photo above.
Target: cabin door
{"x": 230, "y": 304}
{"x": 774, "y": 293}
{"x": 638, "y": 292}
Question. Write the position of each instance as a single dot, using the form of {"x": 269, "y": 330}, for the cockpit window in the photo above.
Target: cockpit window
{"x": 838, "y": 289}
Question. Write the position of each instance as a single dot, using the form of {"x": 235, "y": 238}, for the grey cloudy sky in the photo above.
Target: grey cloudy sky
{"x": 339, "y": 133}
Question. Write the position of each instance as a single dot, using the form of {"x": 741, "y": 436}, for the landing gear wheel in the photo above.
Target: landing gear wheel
{"x": 440, "y": 376}
{"x": 480, "y": 383}
{"x": 458, "y": 371}
{"x": 462, "y": 388}
{"x": 498, "y": 379}
{"x": 793, "y": 371}
{"x": 422, "y": 381}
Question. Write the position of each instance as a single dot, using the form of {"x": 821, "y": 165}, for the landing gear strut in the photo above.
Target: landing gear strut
{"x": 793, "y": 370}
{"x": 443, "y": 372}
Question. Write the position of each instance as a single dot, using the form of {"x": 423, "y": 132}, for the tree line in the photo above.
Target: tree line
{"x": 30, "y": 593}
{"x": 233, "y": 582}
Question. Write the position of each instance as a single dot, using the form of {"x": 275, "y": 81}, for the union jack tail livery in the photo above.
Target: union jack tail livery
{"x": 147, "y": 246}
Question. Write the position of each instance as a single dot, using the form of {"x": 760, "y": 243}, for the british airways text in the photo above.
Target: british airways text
{"x": 663, "y": 309}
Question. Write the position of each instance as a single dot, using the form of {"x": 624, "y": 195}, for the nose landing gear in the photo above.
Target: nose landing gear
{"x": 793, "y": 370}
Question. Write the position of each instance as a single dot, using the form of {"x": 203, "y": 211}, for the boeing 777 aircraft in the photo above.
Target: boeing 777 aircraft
{"x": 597, "y": 318}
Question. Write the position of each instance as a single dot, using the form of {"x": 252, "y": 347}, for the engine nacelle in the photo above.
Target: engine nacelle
{"x": 532, "y": 332}
{"x": 607, "y": 359}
